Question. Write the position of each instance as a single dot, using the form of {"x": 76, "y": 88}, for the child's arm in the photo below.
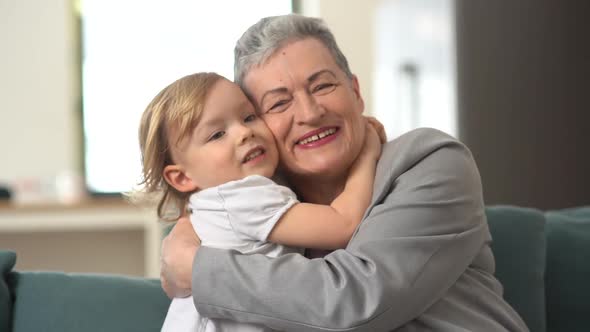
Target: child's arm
{"x": 330, "y": 227}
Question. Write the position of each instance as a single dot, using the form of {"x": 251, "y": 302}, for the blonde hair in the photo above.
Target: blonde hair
{"x": 179, "y": 107}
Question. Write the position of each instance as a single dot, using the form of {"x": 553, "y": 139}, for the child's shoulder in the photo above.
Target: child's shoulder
{"x": 249, "y": 181}
{"x": 254, "y": 188}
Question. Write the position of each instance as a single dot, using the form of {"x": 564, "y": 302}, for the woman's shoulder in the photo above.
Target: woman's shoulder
{"x": 426, "y": 155}
{"x": 421, "y": 138}
{"x": 414, "y": 145}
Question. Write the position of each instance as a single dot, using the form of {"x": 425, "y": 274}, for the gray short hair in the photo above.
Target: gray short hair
{"x": 269, "y": 34}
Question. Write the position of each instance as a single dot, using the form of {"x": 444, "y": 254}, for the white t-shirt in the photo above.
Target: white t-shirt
{"x": 236, "y": 215}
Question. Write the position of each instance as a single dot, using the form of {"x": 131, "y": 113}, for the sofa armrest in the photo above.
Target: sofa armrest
{"x": 7, "y": 261}
{"x": 519, "y": 248}
{"x": 568, "y": 269}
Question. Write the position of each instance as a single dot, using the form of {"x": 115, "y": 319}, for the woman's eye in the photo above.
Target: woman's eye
{"x": 276, "y": 107}
{"x": 217, "y": 135}
{"x": 250, "y": 117}
{"x": 324, "y": 87}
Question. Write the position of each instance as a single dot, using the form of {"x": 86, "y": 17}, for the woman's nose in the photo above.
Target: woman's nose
{"x": 309, "y": 111}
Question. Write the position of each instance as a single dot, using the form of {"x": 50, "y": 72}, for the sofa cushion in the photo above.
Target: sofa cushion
{"x": 52, "y": 302}
{"x": 519, "y": 249}
{"x": 567, "y": 277}
{"x": 7, "y": 261}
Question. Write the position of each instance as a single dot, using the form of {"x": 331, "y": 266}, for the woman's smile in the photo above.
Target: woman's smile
{"x": 317, "y": 137}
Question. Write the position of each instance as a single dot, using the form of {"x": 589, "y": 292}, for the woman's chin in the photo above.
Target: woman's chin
{"x": 330, "y": 161}
{"x": 325, "y": 168}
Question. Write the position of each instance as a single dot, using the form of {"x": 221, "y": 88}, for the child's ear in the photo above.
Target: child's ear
{"x": 177, "y": 178}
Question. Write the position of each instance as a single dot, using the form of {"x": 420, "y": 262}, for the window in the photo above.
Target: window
{"x": 131, "y": 50}
{"x": 415, "y": 66}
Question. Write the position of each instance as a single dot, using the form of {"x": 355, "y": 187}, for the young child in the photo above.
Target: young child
{"x": 204, "y": 148}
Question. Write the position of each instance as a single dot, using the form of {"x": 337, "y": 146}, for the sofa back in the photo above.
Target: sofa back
{"x": 54, "y": 301}
{"x": 542, "y": 260}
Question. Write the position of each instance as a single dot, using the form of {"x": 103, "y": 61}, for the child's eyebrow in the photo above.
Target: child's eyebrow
{"x": 217, "y": 120}
{"x": 246, "y": 104}
{"x": 211, "y": 122}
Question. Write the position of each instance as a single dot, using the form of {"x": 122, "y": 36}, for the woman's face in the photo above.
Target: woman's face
{"x": 313, "y": 110}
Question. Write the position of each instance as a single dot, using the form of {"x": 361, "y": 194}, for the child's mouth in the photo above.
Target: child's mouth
{"x": 254, "y": 153}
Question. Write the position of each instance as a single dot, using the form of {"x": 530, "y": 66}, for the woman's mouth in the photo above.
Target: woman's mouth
{"x": 317, "y": 138}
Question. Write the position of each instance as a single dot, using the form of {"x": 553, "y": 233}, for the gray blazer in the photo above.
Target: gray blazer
{"x": 419, "y": 261}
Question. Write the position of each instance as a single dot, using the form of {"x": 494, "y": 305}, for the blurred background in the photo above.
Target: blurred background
{"x": 511, "y": 79}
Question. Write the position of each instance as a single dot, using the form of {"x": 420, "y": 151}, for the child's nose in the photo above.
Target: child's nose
{"x": 245, "y": 133}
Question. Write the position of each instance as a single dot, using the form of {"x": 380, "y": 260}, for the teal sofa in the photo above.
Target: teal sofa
{"x": 542, "y": 258}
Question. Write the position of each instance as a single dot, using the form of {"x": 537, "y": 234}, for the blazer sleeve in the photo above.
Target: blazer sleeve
{"x": 424, "y": 228}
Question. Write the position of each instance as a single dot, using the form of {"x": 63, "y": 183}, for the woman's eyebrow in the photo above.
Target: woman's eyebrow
{"x": 317, "y": 74}
{"x": 279, "y": 90}
{"x": 310, "y": 79}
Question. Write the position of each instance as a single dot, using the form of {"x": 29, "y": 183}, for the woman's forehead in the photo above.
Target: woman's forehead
{"x": 308, "y": 51}
{"x": 297, "y": 61}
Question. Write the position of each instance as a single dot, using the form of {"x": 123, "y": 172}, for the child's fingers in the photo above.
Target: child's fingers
{"x": 378, "y": 127}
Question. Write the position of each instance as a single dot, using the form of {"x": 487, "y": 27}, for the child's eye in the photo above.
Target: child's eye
{"x": 217, "y": 135}
{"x": 250, "y": 117}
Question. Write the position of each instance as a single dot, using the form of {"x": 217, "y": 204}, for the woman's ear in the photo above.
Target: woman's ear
{"x": 357, "y": 92}
{"x": 177, "y": 178}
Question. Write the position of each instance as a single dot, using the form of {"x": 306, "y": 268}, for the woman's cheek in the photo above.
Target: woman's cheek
{"x": 278, "y": 127}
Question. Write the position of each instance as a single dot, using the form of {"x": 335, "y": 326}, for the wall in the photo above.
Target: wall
{"x": 523, "y": 86}
{"x": 38, "y": 114}
{"x": 351, "y": 23}
{"x": 40, "y": 121}
{"x": 524, "y": 79}
{"x": 117, "y": 251}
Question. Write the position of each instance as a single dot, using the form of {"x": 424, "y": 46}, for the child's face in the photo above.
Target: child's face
{"x": 229, "y": 143}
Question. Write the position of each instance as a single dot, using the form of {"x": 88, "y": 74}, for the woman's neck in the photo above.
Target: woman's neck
{"x": 317, "y": 190}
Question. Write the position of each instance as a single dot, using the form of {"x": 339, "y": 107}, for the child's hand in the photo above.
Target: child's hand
{"x": 378, "y": 127}
{"x": 370, "y": 152}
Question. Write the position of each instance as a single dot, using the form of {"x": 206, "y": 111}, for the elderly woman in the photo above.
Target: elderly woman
{"x": 419, "y": 261}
